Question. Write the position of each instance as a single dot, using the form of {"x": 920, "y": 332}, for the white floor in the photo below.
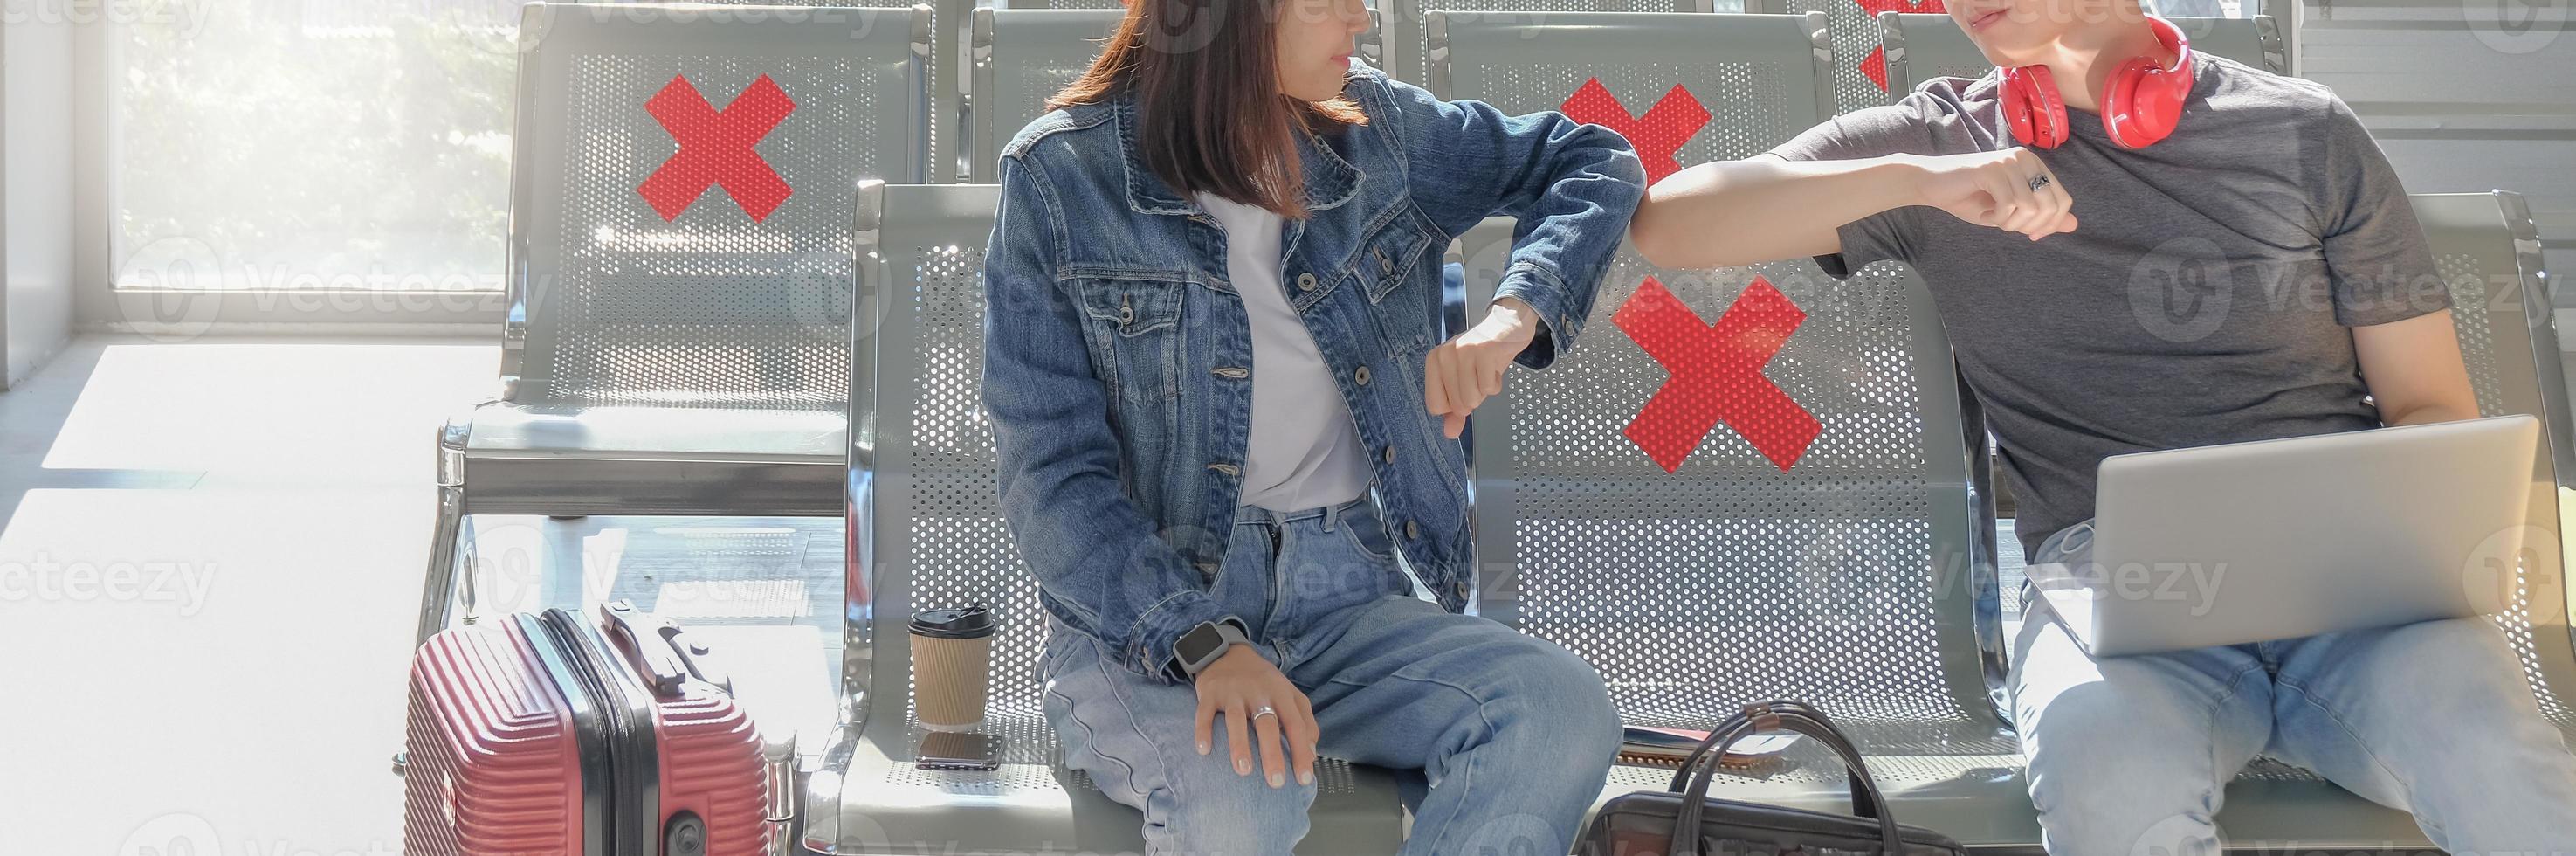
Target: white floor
{"x": 209, "y": 567}
{"x": 210, "y": 560}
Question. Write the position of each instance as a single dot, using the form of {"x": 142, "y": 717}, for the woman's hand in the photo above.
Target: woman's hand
{"x": 1239, "y": 684}
{"x": 1462, "y": 372}
{"x": 2010, "y": 190}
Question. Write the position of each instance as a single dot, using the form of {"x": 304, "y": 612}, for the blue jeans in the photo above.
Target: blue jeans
{"x": 1501, "y": 740}
{"x": 2133, "y": 754}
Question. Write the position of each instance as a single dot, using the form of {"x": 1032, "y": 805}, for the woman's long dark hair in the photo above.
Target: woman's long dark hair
{"x": 1211, "y": 116}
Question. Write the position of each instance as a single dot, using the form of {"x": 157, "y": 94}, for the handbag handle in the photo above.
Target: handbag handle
{"x": 1700, "y": 769}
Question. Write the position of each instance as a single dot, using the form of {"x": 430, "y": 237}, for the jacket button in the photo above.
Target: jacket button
{"x": 1390, "y": 453}
{"x": 1459, "y": 588}
{"x": 1360, "y": 376}
{"x": 1412, "y": 531}
{"x": 1306, "y": 281}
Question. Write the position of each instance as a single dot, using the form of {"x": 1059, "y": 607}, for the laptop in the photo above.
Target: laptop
{"x": 2288, "y": 538}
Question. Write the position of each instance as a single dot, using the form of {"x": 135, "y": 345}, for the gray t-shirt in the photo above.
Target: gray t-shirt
{"x": 2203, "y": 297}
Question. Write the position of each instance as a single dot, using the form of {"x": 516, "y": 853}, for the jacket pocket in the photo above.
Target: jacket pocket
{"x": 1403, "y": 289}
{"x": 1135, "y": 332}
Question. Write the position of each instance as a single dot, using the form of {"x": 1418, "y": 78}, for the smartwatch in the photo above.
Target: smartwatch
{"x": 1202, "y": 645}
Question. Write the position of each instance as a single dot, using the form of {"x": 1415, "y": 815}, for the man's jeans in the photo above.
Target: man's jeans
{"x": 2132, "y": 755}
{"x": 1501, "y": 740}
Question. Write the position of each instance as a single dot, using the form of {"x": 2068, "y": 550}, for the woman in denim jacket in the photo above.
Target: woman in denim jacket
{"x": 1213, "y": 300}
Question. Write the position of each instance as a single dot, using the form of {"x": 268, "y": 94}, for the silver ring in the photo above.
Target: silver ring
{"x": 1264, "y": 711}
{"x": 2037, "y": 182}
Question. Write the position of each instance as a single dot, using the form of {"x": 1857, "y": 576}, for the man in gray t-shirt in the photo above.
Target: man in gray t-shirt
{"x": 2207, "y": 297}
{"x": 2258, "y": 273}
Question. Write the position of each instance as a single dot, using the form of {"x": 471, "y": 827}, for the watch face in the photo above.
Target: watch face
{"x": 1197, "y": 644}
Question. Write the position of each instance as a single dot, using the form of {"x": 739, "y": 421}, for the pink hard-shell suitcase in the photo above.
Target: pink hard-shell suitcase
{"x": 552, "y": 733}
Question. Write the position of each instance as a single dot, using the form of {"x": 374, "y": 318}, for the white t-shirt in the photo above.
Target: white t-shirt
{"x": 1305, "y": 449}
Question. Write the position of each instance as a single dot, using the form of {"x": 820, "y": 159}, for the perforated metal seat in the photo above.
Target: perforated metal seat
{"x": 1921, "y": 47}
{"x": 1851, "y": 579}
{"x": 681, "y": 264}
{"x": 1861, "y": 578}
{"x": 945, "y": 75}
{"x": 2487, "y": 247}
{"x": 1854, "y": 579}
{"x": 1020, "y": 57}
{"x": 926, "y": 528}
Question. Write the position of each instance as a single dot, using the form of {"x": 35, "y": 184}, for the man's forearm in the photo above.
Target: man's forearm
{"x": 2426, "y": 414}
{"x": 1765, "y": 208}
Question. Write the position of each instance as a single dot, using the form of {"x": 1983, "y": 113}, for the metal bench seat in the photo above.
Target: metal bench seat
{"x": 926, "y": 528}
{"x": 541, "y": 459}
{"x": 680, "y": 264}
{"x": 1687, "y": 611}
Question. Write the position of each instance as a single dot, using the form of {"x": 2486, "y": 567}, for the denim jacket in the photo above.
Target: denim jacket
{"x": 1118, "y": 370}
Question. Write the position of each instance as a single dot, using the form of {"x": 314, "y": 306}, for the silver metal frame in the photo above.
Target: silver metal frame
{"x": 984, "y": 49}
{"x": 2550, "y": 382}
{"x": 1821, "y": 38}
{"x": 1891, "y": 46}
{"x": 2546, "y": 396}
{"x": 947, "y": 84}
{"x": 980, "y": 147}
{"x": 821, "y": 830}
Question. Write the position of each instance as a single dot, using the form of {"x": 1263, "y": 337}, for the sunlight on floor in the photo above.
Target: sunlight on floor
{"x": 286, "y": 410}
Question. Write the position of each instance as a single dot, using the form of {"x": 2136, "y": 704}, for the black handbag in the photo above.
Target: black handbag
{"x": 1682, "y": 821}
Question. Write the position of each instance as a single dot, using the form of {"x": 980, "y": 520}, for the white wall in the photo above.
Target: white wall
{"x": 2464, "y": 95}
{"x": 35, "y": 192}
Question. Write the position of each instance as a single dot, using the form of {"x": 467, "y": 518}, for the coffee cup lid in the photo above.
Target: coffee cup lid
{"x": 967, "y": 622}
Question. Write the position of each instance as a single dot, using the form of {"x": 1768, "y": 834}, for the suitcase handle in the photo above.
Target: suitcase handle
{"x": 670, "y": 663}
{"x": 662, "y": 665}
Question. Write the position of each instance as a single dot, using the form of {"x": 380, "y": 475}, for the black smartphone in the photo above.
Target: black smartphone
{"x": 956, "y": 750}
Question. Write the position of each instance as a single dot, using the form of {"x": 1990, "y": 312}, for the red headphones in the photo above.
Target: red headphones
{"x": 2141, "y": 105}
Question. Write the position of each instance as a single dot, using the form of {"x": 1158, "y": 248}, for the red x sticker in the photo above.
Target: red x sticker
{"x": 1716, "y": 374}
{"x": 1657, "y": 135}
{"x": 1874, "y": 66}
{"x": 716, "y": 148}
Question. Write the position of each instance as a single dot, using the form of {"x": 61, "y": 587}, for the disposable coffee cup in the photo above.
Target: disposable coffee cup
{"x": 951, "y": 652}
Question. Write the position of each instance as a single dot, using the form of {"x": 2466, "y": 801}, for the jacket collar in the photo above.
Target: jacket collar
{"x": 1330, "y": 180}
